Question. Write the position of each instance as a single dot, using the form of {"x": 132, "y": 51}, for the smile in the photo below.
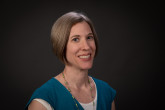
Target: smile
{"x": 84, "y": 56}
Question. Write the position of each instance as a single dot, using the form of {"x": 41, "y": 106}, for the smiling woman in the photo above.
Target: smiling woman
{"x": 75, "y": 43}
{"x": 61, "y": 31}
{"x": 81, "y": 46}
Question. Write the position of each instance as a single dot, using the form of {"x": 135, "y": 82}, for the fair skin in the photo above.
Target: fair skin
{"x": 80, "y": 54}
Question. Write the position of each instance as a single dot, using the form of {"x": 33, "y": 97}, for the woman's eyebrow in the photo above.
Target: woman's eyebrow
{"x": 75, "y": 36}
{"x": 90, "y": 34}
{"x": 79, "y": 35}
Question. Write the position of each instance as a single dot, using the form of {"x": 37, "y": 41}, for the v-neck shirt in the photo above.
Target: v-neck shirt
{"x": 60, "y": 98}
{"x": 86, "y": 106}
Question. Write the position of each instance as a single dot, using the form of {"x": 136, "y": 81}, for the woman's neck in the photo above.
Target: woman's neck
{"x": 77, "y": 78}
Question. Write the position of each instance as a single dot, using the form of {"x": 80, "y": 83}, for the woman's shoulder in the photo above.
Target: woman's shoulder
{"x": 49, "y": 85}
{"x": 102, "y": 85}
{"x": 100, "y": 82}
{"x": 45, "y": 91}
{"x": 105, "y": 90}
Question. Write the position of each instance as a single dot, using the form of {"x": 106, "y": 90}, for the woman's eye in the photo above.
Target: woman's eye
{"x": 90, "y": 37}
{"x": 75, "y": 39}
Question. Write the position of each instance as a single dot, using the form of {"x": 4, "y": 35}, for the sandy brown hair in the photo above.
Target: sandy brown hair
{"x": 61, "y": 30}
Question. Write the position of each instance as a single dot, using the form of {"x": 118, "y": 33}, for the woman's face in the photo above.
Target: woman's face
{"x": 80, "y": 50}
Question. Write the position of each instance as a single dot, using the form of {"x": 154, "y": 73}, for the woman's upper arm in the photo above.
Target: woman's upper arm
{"x": 113, "y": 105}
{"x": 35, "y": 105}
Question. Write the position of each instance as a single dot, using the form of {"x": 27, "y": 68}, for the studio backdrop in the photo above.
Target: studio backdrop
{"x": 130, "y": 56}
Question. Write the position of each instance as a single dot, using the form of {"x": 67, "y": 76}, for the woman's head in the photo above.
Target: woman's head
{"x": 61, "y": 31}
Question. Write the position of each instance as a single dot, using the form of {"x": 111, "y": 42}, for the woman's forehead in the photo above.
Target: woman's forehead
{"x": 81, "y": 28}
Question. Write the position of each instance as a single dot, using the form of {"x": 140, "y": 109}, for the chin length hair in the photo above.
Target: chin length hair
{"x": 61, "y": 30}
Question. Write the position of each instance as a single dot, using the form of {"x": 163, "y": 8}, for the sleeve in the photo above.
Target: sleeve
{"x": 113, "y": 93}
{"x": 108, "y": 91}
{"x": 106, "y": 95}
{"x": 45, "y": 93}
{"x": 37, "y": 95}
{"x": 44, "y": 103}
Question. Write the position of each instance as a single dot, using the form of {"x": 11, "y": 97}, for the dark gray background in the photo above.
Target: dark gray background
{"x": 130, "y": 56}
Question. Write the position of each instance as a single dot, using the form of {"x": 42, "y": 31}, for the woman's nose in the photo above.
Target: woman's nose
{"x": 85, "y": 45}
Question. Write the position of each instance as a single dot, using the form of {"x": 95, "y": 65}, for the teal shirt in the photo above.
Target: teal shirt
{"x": 60, "y": 98}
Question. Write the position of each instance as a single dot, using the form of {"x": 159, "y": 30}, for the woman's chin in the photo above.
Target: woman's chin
{"x": 86, "y": 67}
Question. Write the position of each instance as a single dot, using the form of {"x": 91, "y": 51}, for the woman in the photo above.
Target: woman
{"x": 75, "y": 43}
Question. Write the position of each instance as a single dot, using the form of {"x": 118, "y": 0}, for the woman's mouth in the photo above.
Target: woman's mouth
{"x": 84, "y": 56}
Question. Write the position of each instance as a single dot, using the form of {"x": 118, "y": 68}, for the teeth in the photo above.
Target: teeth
{"x": 85, "y": 56}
